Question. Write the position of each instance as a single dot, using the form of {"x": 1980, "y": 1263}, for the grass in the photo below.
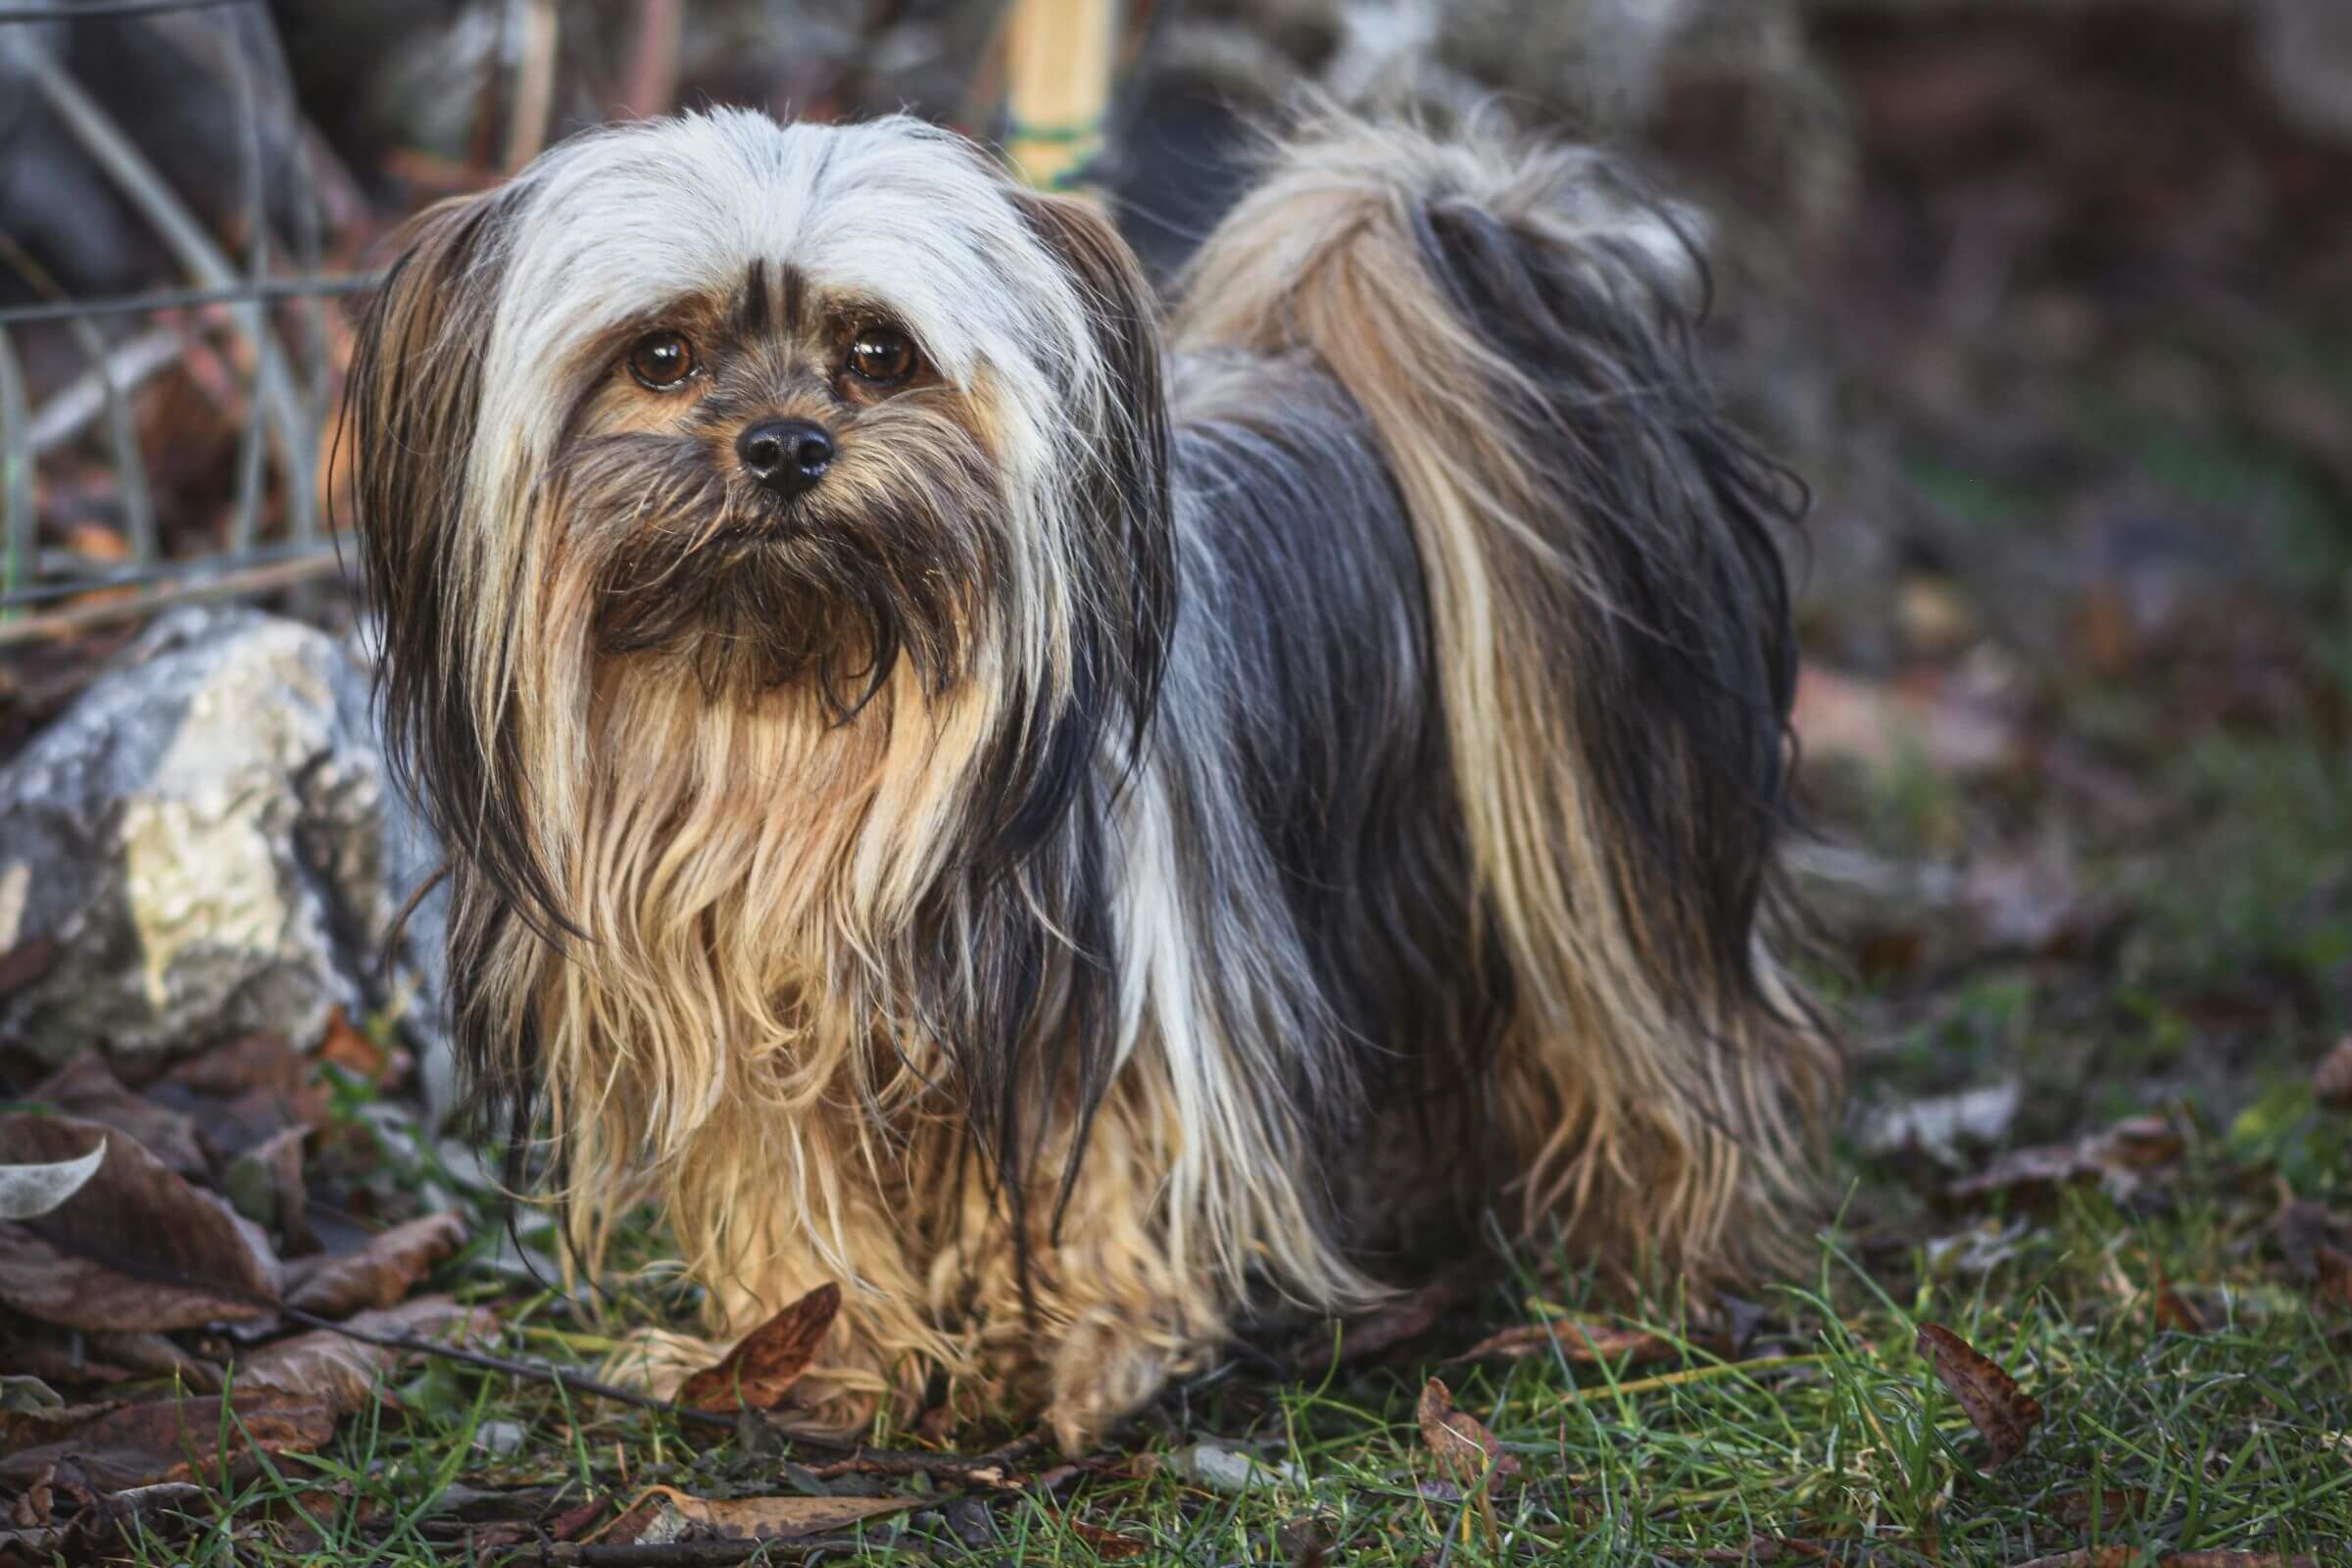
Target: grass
{"x": 1836, "y": 1433}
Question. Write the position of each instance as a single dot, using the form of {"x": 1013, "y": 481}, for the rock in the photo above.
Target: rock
{"x": 208, "y": 844}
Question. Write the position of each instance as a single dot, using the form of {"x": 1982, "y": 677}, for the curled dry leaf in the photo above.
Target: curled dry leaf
{"x": 767, "y": 1361}
{"x": 1396, "y": 1321}
{"x": 86, "y": 1086}
{"x": 377, "y": 1275}
{"x": 28, "y": 1192}
{"x": 1467, "y": 1451}
{"x": 343, "y": 1371}
{"x": 2332, "y": 1080}
{"x": 1107, "y": 1545}
{"x": 1577, "y": 1339}
{"x": 1995, "y": 1405}
{"x": 2115, "y": 1158}
{"x": 662, "y": 1514}
{"x": 137, "y": 1248}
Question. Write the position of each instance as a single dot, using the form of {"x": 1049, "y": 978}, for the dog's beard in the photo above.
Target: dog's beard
{"x": 884, "y": 558}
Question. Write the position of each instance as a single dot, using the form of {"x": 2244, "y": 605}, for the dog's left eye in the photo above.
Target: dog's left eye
{"x": 661, "y": 361}
{"x": 882, "y": 355}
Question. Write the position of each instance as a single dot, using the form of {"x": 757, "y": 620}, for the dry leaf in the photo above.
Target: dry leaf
{"x": 767, "y": 1361}
{"x": 177, "y": 1439}
{"x": 1107, "y": 1545}
{"x": 2336, "y": 1274}
{"x": 28, "y": 1192}
{"x": 2099, "y": 1511}
{"x": 2128, "y": 1558}
{"x": 2332, "y": 1080}
{"x": 1577, "y": 1339}
{"x": 86, "y": 1086}
{"x": 2114, "y": 1158}
{"x": 1997, "y": 1406}
{"x": 661, "y": 1514}
{"x": 343, "y": 1371}
{"x": 137, "y": 1248}
{"x": 1397, "y": 1321}
{"x": 1467, "y": 1451}
{"x": 377, "y": 1275}
{"x": 348, "y": 1046}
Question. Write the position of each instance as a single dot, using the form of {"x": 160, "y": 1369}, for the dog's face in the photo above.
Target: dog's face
{"x": 779, "y": 401}
{"x": 739, "y": 405}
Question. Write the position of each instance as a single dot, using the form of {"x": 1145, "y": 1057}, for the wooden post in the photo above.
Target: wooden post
{"x": 1057, "y": 57}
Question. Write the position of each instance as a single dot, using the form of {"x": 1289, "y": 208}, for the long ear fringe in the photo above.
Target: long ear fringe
{"x": 1616, "y": 658}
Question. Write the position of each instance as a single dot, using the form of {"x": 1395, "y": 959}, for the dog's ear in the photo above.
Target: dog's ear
{"x": 1122, "y": 483}
{"x": 412, "y": 414}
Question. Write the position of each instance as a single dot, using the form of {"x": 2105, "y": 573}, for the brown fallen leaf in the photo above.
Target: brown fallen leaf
{"x": 2334, "y": 1275}
{"x": 2103, "y": 1510}
{"x": 1467, "y": 1451}
{"x": 177, "y": 1439}
{"x": 1577, "y": 1339}
{"x": 661, "y": 1514}
{"x": 2129, "y": 1557}
{"x": 86, "y": 1086}
{"x": 28, "y": 1192}
{"x": 1107, "y": 1545}
{"x": 377, "y": 1275}
{"x": 137, "y": 1248}
{"x": 767, "y": 1361}
{"x": 244, "y": 1090}
{"x": 2332, "y": 1079}
{"x": 346, "y": 1045}
{"x": 1995, "y": 1405}
{"x": 2114, "y": 1158}
{"x": 1396, "y": 1321}
{"x": 344, "y": 1372}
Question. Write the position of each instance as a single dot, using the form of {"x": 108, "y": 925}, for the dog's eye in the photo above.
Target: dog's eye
{"x": 882, "y": 355}
{"x": 661, "y": 361}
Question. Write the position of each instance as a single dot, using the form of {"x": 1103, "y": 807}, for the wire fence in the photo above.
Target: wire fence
{"x": 264, "y": 306}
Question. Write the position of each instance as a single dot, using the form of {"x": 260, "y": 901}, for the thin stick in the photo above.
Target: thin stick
{"x": 680, "y": 1554}
{"x": 1696, "y": 1374}
{"x": 229, "y": 585}
{"x": 16, "y": 474}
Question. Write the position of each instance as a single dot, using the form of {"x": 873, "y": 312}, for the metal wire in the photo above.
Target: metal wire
{"x": 109, "y": 8}
{"x": 175, "y": 299}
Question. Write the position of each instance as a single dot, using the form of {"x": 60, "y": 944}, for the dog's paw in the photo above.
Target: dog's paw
{"x": 1104, "y": 1369}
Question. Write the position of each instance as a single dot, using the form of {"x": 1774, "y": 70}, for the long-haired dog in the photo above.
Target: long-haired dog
{"x": 1072, "y": 823}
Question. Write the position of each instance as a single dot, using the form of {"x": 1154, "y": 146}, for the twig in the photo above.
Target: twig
{"x": 252, "y": 291}
{"x": 975, "y": 1469}
{"x": 229, "y": 585}
{"x": 681, "y": 1554}
{"x": 1696, "y": 1374}
{"x": 529, "y": 1370}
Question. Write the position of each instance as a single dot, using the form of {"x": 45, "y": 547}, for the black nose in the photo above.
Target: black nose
{"x": 787, "y": 455}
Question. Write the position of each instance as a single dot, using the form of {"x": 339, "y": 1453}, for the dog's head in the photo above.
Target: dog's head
{"x": 745, "y": 406}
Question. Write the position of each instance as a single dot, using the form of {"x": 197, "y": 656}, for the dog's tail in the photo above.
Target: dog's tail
{"x": 1613, "y": 648}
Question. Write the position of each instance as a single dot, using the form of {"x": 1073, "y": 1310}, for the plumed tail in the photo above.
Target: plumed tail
{"x": 1615, "y": 650}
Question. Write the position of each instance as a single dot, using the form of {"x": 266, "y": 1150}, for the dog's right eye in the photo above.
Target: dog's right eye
{"x": 661, "y": 361}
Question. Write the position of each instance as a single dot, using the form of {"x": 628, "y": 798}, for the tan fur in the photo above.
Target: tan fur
{"x": 1637, "y": 1135}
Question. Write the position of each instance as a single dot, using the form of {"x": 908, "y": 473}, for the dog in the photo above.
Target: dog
{"x": 1083, "y": 823}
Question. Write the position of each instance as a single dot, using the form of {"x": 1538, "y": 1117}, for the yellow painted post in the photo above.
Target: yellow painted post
{"x": 1058, "y": 64}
